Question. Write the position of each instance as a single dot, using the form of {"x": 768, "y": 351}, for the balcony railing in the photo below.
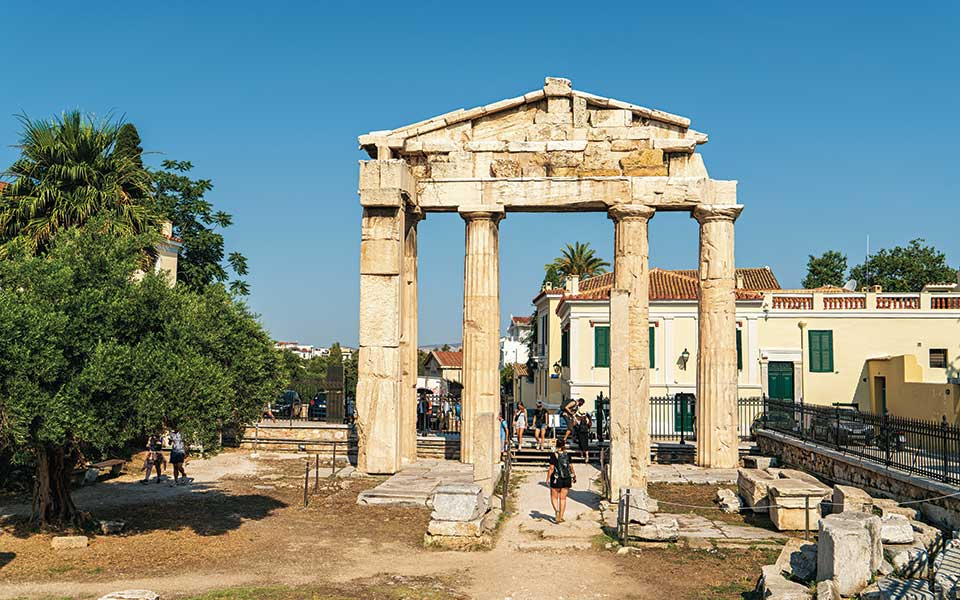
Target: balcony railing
{"x": 783, "y": 302}
{"x": 845, "y": 302}
{"x": 898, "y": 301}
{"x": 857, "y": 301}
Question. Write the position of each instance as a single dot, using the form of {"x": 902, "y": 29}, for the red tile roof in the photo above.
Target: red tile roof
{"x": 678, "y": 285}
{"x": 448, "y": 360}
{"x": 520, "y": 370}
{"x": 521, "y": 320}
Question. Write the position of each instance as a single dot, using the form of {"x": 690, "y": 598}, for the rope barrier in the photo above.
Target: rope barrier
{"x": 821, "y": 503}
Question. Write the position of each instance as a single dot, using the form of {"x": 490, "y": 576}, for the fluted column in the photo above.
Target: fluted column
{"x": 408, "y": 340}
{"x": 480, "y": 438}
{"x": 717, "y": 434}
{"x": 629, "y": 349}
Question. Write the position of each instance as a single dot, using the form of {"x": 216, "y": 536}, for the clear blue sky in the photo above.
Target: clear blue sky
{"x": 839, "y": 120}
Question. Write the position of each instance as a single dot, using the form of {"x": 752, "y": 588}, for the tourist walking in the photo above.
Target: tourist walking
{"x": 178, "y": 454}
{"x": 503, "y": 435}
{"x": 154, "y": 459}
{"x": 421, "y": 413}
{"x": 560, "y": 477}
{"x": 568, "y": 410}
{"x": 445, "y": 410}
{"x": 520, "y": 424}
{"x": 456, "y": 415}
{"x": 540, "y": 425}
{"x": 582, "y": 431}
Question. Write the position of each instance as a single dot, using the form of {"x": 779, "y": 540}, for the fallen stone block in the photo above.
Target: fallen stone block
{"x": 112, "y": 527}
{"x": 798, "y": 560}
{"x": 886, "y": 568}
{"x": 795, "y": 504}
{"x": 908, "y": 560}
{"x": 752, "y": 486}
{"x": 827, "y": 591}
{"x": 69, "y": 542}
{"x": 928, "y": 535}
{"x": 892, "y": 507}
{"x": 872, "y": 524}
{"x": 132, "y": 595}
{"x": 800, "y": 475}
{"x": 491, "y": 519}
{"x": 458, "y": 503}
{"x": 848, "y": 498}
{"x": 758, "y": 462}
{"x": 946, "y": 570}
{"x": 640, "y": 507}
{"x": 844, "y": 554}
{"x": 472, "y": 528}
{"x": 774, "y": 586}
{"x": 896, "y": 529}
{"x": 659, "y": 529}
{"x": 728, "y": 500}
{"x": 892, "y": 588}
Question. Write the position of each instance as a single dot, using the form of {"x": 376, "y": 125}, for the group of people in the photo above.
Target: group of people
{"x": 578, "y": 421}
{"x": 444, "y": 416}
{"x": 157, "y": 461}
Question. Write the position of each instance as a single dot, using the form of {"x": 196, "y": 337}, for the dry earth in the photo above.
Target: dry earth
{"x": 240, "y": 532}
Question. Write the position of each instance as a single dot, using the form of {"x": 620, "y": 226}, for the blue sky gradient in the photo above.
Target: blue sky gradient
{"x": 838, "y": 119}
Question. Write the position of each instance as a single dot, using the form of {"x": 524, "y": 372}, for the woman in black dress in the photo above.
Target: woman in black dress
{"x": 560, "y": 477}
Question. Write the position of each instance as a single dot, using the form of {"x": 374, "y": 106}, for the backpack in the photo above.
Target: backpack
{"x": 562, "y": 469}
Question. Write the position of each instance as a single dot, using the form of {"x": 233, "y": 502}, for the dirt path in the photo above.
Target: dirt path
{"x": 250, "y": 530}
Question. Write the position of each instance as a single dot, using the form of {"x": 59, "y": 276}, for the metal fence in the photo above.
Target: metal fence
{"x": 674, "y": 418}
{"x": 310, "y": 404}
{"x": 925, "y": 448}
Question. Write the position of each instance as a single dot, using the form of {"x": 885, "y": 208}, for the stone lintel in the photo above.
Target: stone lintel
{"x": 387, "y": 174}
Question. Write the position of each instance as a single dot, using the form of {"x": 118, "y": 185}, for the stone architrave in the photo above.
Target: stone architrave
{"x": 408, "y": 340}
{"x": 629, "y": 349}
{"x": 481, "y": 333}
{"x": 718, "y": 438}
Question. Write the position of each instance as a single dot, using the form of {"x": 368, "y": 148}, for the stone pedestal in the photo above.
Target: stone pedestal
{"x": 481, "y": 337}
{"x": 795, "y": 504}
{"x": 752, "y": 486}
{"x": 718, "y": 438}
{"x": 629, "y": 349}
{"x": 408, "y": 341}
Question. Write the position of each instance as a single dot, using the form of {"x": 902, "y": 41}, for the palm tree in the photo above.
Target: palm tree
{"x": 578, "y": 259}
{"x": 67, "y": 173}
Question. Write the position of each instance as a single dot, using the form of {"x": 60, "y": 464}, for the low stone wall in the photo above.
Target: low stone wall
{"x": 873, "y": 477}
{"x": 313, "y": 438}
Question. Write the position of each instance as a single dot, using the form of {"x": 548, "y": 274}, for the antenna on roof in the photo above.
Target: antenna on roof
{"x": 850, "y": 285}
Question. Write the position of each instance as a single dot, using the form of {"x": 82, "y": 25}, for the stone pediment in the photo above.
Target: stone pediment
{"x": 552, "y": 132}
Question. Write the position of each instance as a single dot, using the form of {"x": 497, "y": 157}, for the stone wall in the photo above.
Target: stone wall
{"x": 873, "y": 477}
{"x": 316, "y": 438}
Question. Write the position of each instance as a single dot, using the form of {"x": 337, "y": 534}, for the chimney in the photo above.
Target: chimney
{"x": 166, "y": 228}
{"x": 739, "y": 281}
{"x": 573, "y": 284}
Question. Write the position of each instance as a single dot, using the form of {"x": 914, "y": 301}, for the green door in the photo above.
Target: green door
{"x": 780, "y": 380}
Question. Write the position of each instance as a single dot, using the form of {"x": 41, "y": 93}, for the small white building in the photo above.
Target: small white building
{"x": 513, "y": 346}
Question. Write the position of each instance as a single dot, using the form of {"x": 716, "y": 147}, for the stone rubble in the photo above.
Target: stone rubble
{"x": 795, "y": 503}
{"x": 850, "y": 499}
{"x": 896, "y": 529}
{"x": 946, "y": 570}
{"x": 908, "y": 560}
{"x": 798, "y": 560}
{"x": 844, "y": 553}
{"x": 69, "y": 542}
{"x": 131, "y": 595}
{"x": 774, "y": 586}
{"x": 659, "y": 529}
{"x": 892, "y": 588}
{"x": 728, "y": 500}
{"x": 827, "y": 591}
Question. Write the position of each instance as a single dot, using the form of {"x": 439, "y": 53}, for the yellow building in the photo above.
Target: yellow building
{"x": 826, "y": 346}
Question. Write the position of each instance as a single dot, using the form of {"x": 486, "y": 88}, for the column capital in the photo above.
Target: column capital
{"x": 620, "y": 212}
{"x": 415, "y": 213}
{"x": 482, "y": 212}
{"x": 705, "y": 213}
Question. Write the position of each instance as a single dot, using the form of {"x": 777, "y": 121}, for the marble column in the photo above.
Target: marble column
{"x": 717, "y": 435}
{"x": 481, "y": 339}
{"x": 408, "y": 340}
{"x": 379, "y": 366}
{"x": 629, "y": 349}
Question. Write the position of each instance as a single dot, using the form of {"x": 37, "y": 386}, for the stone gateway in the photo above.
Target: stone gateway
{"x": 554, "y": 149}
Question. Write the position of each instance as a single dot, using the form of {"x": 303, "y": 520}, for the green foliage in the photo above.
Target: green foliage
{"x": 91, "y": 359}
{"x": 827, "y": 269}
{"x": 128, "y": 144}
{"x": 422, "y": 357}
{"x": 551, "y": 277}
{"x": 578, "y": 259}
{"x": 905, "y": 269}
{"x": 68, "y": 173}
{"x": 506, "y": 378}
{"x": 181, "y": 200}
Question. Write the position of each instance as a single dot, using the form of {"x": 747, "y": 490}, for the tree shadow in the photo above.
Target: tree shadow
{"x": 6, "y": 557}
{"x": 202, "y": 508}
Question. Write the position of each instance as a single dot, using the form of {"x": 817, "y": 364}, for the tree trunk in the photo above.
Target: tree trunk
{"x": 52, "y": 504}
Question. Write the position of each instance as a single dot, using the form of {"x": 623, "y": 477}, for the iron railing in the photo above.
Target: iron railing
{"x": 674, "y": 418}
{"x": 927, "y": 448}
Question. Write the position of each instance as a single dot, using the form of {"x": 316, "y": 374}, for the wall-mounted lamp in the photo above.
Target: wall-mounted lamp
{"x": 557, "y": 368}
{"x": 684, "y": 357}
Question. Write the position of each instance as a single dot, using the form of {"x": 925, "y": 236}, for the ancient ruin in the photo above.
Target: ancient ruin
{"x": 553, "y": 149}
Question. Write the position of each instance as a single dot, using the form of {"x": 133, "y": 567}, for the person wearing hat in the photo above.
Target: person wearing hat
{"x": 540, "y": 424}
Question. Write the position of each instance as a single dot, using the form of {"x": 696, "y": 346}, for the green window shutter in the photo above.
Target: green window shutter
{"x": 601, "y": 347}
{"x": 739, "y": 351}
{"x": 653, "y": 353}
{"x": 565, "y": 349}
{"x": 821, "y": 351}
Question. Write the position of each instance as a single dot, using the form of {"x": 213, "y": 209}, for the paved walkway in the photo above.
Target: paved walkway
{"x": 414, "y": 484}
{"x": 533, "y": 527}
